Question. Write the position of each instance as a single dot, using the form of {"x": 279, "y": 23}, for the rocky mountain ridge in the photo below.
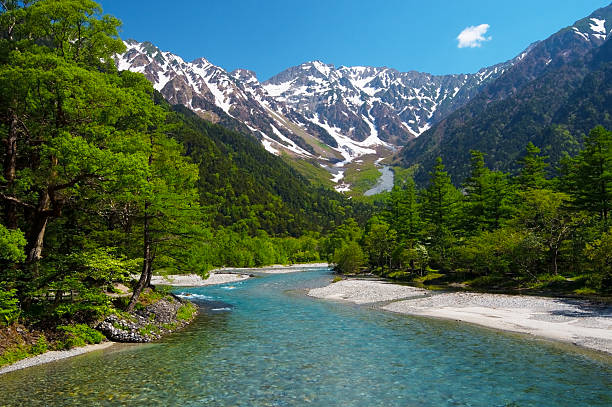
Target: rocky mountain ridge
{"x": 331, "y": 115}
{"x": 314, "y": 110}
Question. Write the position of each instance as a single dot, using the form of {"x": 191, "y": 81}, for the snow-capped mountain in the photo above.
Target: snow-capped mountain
{"x": 333, "y": 115}
{"x": 313, "y": 110}
{"x": 364, "y": 101}
{"x": 216, "y": 94}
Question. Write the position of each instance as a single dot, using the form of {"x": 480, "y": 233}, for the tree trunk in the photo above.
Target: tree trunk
{"x": 10, "y": 168}
{"x": 39, "y": 227}
{"x": 145, "y": 275}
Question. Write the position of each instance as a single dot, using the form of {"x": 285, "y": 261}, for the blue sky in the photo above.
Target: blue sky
{"x": 268, "y": 36}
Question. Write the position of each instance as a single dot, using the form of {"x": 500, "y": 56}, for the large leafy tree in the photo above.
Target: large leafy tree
{"x": 87, "y": 164}
{"x": 168, "y": 207}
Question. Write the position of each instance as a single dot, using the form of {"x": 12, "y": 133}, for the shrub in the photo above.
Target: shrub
{"x": 78, "y": 335}
{"x": 349, "y": 258}
{"x": 9, "y": 305}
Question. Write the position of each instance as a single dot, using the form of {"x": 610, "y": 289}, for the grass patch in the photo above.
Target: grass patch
{"x": 150, "y": 296}
{"x": 186, "y": 312}
{"x": 428, "y": 277}
{"x": 22, "y": 351}
{"x": 361, "y": 177}
{"x": 336, "y": 279}
{"x": 312, "y": 171}
{"x": 77, "y": 335}
{"x": 149, "y": 330}
{"x": 399, "y": 275}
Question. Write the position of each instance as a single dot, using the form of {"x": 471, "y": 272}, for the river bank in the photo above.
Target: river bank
{"x": 578, "y": 322}
{"x": 52, "y": 356}
{"x": 217, "y": 277}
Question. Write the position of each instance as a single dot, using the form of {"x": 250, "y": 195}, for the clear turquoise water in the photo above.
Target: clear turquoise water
{"x": 262, "y": 342}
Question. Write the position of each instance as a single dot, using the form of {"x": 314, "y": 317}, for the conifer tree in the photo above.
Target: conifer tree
{"x": 439, "y": 209}
{"x": 533, "y": 169}
{"x": 588, "y": 176}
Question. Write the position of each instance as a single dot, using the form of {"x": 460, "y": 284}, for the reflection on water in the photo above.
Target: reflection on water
{"x": 264, "y": 343}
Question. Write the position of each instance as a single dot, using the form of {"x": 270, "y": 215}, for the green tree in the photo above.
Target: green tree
{"x": 487, "y": 197}
{"x": 379, "y": 242}
{"x": 544, "y": 215}
{"x": 439, "y": 209}
{"x": 532, "y": 174}
{"x": 475, "y": 187}
{"x": 402, "y": 211}
{"x": 588, "y": 177}
{"x": 347, "y": 232}
{"x": 349, "y": 258}
{"x": 169, "y": 206}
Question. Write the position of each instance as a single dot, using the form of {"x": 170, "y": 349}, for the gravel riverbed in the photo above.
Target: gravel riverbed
{"x": 578, "y": 322}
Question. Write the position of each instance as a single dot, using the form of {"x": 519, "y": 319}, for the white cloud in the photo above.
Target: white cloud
{"x": 473, "y": 36}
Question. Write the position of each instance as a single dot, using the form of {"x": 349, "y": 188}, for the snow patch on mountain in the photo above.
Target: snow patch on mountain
{"x": 598, "y": 26}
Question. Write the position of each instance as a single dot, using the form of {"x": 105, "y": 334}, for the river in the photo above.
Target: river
{"x": 384, "y": 183}
{"x": 263, "y": 342}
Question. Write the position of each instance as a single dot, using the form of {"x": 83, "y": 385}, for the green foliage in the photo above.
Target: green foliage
{"x": 402, "y": 212}
{"x": 186, "y": 312}
{"x": 523, "y": 231}
{"x": 149, "y": 330}
{"x": 22, "y": 350}
{"x": 349, "y": 259}
{"x": 588, "y": 177}
{"x": 78, "y": 335}
{"x": 246, "y": 189}
{"x": 12, "y": 244}
{"x": 532, "y": 174}
{"x": 486, "y": 203}
{"x": 599, "y": 252}
{"x": 9, "y": 305}
{"x": 440, "y": 203}
{"x": 379, "y": 241}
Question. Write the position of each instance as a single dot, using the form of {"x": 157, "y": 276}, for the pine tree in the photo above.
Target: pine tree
{"x": 439, "y": 209}
{"x": 402, "y": 211}
{"x": 588, "y": 176}
{"x": 533, "y": 169}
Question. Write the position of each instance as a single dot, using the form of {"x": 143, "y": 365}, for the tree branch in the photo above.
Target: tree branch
{"x": 16, "y": 200}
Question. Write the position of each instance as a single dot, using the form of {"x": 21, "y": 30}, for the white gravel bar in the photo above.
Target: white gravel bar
{"x": 365, "y": 291}
{"x": 573, "y": 321}
{"x": 194, "y": 280}
{"x": 222, "y": 275}
{"x": 52, "y": 356}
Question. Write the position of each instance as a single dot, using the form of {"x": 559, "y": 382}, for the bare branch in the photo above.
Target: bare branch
{"x": 16, "y": 200}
